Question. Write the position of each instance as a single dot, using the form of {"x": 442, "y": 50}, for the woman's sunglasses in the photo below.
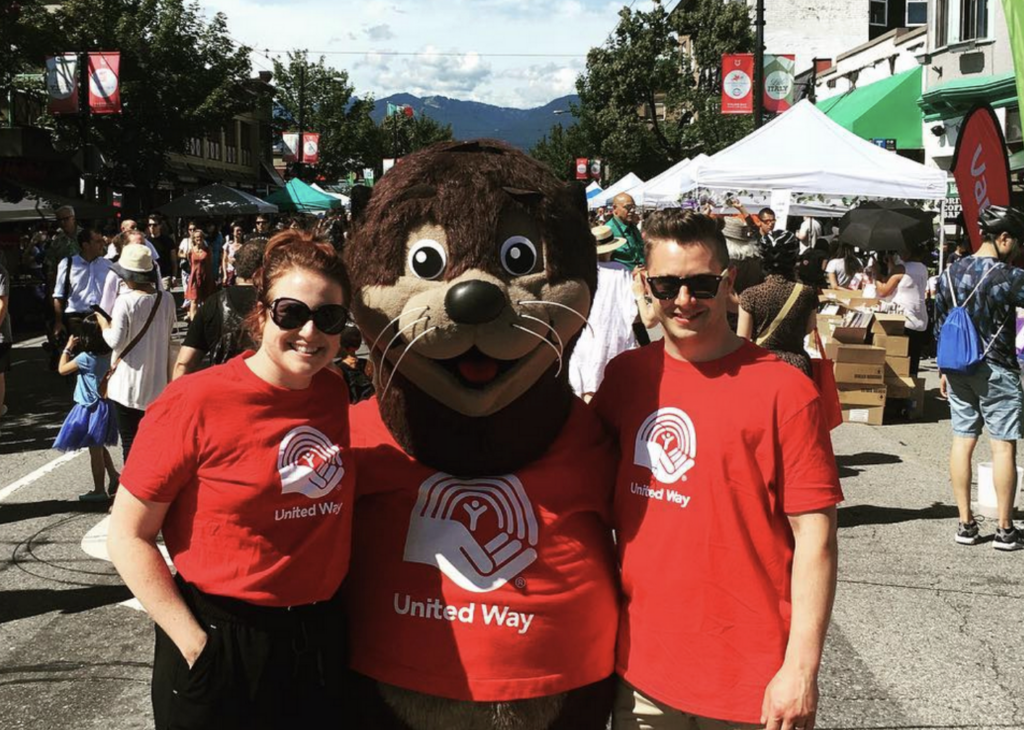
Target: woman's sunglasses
{"x": 291, "y": 314}
{"x": 700, "y": 286}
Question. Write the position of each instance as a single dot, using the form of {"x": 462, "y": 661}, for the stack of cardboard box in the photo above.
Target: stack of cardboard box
{"x": 888, "y": 333}
{"x": 860, "y": 377}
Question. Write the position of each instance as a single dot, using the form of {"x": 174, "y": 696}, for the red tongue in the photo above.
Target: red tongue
{"x": 478, "y": 370}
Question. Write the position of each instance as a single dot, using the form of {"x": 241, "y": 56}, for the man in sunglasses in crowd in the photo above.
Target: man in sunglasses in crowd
{"x": 725, "y": 508}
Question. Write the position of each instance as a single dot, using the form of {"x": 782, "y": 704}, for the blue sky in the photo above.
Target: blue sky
{"x": 456, "y": 42}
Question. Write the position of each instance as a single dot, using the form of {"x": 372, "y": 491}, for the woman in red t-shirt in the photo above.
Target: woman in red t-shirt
{"x": 245, "y": 469}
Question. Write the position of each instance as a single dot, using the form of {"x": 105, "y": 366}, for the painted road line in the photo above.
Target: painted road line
{"x": 32, "y": 342}
{"x": 94, "y": 544}
{"x": 38, "y": 473}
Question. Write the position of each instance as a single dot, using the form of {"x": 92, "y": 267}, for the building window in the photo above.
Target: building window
{"x": 879, "y": 13}
{"x": 213, "y": 149}
{"x": 917, "y": 12}
{"x": 195, "y": 146}
{"x": 245, "y": 140}
{"x": 231, "y": 144}
{"x": 973, "y": 19}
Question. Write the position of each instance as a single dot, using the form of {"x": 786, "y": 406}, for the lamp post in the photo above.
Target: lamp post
{"x": 759, "y": 65}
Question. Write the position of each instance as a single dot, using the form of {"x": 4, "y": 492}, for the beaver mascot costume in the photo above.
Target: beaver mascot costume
{"x": 483, "y": 589}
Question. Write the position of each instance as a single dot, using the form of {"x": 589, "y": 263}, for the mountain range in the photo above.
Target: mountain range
{"x": 470, "y": 119}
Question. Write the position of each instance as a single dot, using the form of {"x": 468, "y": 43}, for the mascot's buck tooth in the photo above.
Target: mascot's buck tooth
{"x": 483, "y": 588}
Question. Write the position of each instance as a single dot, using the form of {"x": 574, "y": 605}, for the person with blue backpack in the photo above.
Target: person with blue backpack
{"x": 975, "y": 317}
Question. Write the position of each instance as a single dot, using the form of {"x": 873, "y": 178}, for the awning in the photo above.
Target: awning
{"x": 955, "y": 98}
{"x": 1017, "y": 161}
{"x": 269, "y": 174}
{"x": 297, "y": 196}
{"x": 886, "y": 109}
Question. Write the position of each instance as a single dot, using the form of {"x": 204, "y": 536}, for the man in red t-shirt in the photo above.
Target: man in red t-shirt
{"x": 725, "y": 507}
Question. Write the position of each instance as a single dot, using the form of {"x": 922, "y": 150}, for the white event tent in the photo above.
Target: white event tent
{"x": 805, "y": 152}
{"x": 593, "y": 190}
{"x": 664, "y": 189}
{"x": 624, "y": 185}
{"x": 343, "y": 198}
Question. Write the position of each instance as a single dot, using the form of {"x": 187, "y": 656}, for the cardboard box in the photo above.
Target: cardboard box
{"x": 854, "y": 328}
{"x": 850, "y": 298}
{"x": 888, "y": 324}
{"x": 898, "y": 387}
{"x": 855, "y": 354}
{"x": 895, "y": 345}
{"x": 871, "y": 415}
{"x": 897, "y": 367}
{"x": 855, "y": 395}
{"x": 859, "y": 374}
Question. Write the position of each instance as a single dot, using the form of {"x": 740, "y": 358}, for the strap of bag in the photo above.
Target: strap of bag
{"x": 67, "y": 280}
{"x": 818, "y": 344}
{"x": 142, "y": 332}
{"x": 790, "y": 301}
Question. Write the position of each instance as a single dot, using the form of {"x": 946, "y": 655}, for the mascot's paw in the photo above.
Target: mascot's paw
{"x": 425, "y": 712}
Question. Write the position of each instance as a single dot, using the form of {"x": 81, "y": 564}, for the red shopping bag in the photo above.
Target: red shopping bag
{"x": 824, "y": 377}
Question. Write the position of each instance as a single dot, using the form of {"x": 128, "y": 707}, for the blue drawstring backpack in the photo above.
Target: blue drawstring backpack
{"x": 959, "y": 348}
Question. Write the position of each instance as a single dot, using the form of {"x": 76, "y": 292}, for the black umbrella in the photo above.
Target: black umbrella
{"x": 886, "y": 226}
{"x": 215, "y": 200}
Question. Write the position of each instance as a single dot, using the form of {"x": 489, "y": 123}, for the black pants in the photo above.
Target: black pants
{"x": 127, "y": 426}
{"x": 262, "y": 668}
{"x": 915, "y": 347}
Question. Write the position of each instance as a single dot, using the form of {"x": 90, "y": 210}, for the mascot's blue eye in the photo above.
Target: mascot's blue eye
{"x": 427, "y": 259}
{"x": 518, "y": 255}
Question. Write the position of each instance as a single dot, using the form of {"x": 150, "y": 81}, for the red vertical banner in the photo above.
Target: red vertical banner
{"x": 62, "y": 83}
{"x": 105, "y": 83}
{"x": 582, "y": 168}
{"x": 981, "y": 167}
{"x": 311, "y": 147}
{"x": 779, "y": 76}
{"x": 738, "y": 83}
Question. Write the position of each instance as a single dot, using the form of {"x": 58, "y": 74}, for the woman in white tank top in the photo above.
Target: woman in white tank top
{"x": 905, "y": 287}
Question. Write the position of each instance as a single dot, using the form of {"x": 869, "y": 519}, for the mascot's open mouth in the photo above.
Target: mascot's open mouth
{"x": 474, "y": 369}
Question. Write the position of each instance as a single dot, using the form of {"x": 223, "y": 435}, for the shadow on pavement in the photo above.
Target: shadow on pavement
{"x": 38, "y": 400}
{"x": 16, "y": 605}
{"x": 869, "y": 514}
{"x": 847, "y": 462}
{"x": 47, "y": 508}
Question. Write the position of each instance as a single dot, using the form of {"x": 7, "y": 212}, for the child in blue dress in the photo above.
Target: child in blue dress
{"x": 90, "y": 424}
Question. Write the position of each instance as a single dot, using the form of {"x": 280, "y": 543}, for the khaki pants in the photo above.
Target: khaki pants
{"x": 636, "y": 711}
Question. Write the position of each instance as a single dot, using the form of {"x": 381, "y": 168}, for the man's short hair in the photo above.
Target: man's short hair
{"x": 133, "y": 234}
{"x": 85, "y": 235}
{"x": 351, "y": 338}
{"x": 685, "y": 227}
{"x": 64, "y": 210}
{"x": 249, "y": 258}
{"x": 766, "y": 211}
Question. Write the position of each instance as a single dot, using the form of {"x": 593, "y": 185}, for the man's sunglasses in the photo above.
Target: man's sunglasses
{"x": 291, "y": 314}
{"x": 700, "y": 286}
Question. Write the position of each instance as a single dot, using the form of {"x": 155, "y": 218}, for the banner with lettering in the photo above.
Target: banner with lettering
{"x": 62, "y": 83}
{"x": 981, "y": 167}
{"x": 105, "y": 83}
{"x": 779, "y": 72}
{"x": 1014, "y": 12}
{"x": 311, "y": 147}
{"x": 290, "y": 140}
{"x": 582, "y": 168}
{"x": 738, "y": 83}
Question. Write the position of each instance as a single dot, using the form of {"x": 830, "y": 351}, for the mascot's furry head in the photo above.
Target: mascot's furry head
{"x": 473, "y": 270}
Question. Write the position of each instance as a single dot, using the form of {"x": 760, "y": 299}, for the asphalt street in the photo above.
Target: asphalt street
{"x": 927, "y": 635}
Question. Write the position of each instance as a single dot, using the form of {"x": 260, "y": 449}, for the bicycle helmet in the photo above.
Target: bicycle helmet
{"x": 997, "y": 219}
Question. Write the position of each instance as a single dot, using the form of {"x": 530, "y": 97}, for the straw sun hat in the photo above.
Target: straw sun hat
{"x": 606, "y": 240}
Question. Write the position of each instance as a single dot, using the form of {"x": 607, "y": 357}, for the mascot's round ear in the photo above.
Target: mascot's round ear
{"x": 359, "y": 198}
{"x": 578, "y": 192}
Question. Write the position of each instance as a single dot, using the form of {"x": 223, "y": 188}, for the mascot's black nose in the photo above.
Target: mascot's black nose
{"x": 474, "y": 302}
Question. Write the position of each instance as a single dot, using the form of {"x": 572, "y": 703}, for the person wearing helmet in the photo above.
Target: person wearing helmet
{"x": 990, "y": 288}
{"x": 777, "y": 313}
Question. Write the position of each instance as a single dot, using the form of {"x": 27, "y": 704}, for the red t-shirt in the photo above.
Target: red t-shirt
{"x": 488, "y": 588}
{"x": 713, "y": 457}
{"x": 260, "y": 481}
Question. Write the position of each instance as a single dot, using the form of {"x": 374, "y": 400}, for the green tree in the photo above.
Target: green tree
{"x": 559, "y": 148}
{"x": 400, "y": 135}
{"x": 181, "y": 77}
{"x": 643, "y": 68}
{"x": 348, "y": 136}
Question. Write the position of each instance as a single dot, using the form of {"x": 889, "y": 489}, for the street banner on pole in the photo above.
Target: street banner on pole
{"x": 389, "y": 162}
{"x": 311, "y": 147}
{"x": 595, "y": 169}
{"x": 291, "y": 146}
{"x": 1014, "y": 12}
{"x": 738, "y": 83}
{"x": 582, "y": 168}
{"x": 105, "y": 83}
{"x": 779, "y": 72}
{"x": 980, "y": 167}
{"x": 62, "y": 83}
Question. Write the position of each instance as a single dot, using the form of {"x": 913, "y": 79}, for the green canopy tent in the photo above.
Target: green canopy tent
{"x": 886, "y": 109}
{"x": 298, "y": 197}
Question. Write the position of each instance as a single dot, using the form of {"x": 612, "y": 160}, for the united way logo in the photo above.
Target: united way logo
{"x": 309, "y": 463}
{"x": 481, "y": 533}
{"x": 666, "y": 443}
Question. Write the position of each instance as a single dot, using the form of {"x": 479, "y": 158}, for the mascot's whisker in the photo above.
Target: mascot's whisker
{"x": 547, "y": 302}
{"x": 394, "y": 369}
{"x": 398, "y": 334}
{"x": 384, "y": 329}
{"x": 546, "y": 341}
{"x": 561, "y": 345}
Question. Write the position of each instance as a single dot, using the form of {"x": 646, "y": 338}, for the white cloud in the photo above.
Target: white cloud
{"x": 434, "y": 72}
{"x": 380, "y": 32}
{"x": 536, "y": 85}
